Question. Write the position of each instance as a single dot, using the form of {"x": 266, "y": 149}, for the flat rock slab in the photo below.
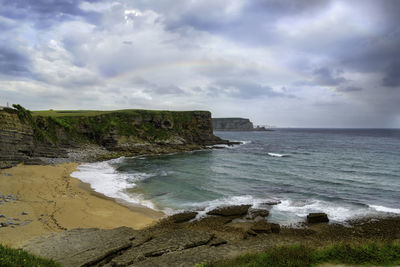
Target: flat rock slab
{"x": 166, "y": 243}
{"x": 264, "y": 227}
{"x": 81, "y": 247}
{"x": 183, "y": 217}
{"x": 230, "y": 210}
{"x": 208, "y": 253}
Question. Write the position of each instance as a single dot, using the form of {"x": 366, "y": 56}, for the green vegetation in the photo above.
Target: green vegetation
{"x": 16, "y": 257}
{"x": 25, "y": 116}
{"x": 67, "y": 113}
{"x": 61, "y": 127}
{"x": 144, "y": 124}
{"x": 299, "y": 255}
{"x": 89, "y": 113}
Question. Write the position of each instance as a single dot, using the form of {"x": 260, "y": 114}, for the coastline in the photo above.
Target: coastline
{"x": 42, "y": 199}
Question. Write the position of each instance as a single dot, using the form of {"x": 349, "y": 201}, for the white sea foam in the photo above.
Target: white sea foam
{"x": 292, "y": 212}
{"x": 385, "y": 209}
{"x": 226, "y": 201}
{"x": 218, "y": 146}
{"x": 277, "y": 155}
{"x": 104, "y": 179}
{"x": 230, "y": 146}
{"x": 296, "y": 211}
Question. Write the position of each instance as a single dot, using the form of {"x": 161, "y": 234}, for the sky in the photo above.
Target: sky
{"x": 303, "y": 63}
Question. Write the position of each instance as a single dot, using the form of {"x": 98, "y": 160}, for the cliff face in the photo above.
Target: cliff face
{"x": 232, "y": 124}
{"x": 24, "y": 137}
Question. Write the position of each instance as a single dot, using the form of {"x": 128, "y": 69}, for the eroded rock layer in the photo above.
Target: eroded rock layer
{"x": 26, "y": 137}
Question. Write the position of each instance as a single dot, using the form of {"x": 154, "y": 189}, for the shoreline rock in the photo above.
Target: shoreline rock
{"x": 236, "y": 210}
{"x": 317, "y": 218}
{"x": 188, "y": 243}
{"x": 182, "y": 217}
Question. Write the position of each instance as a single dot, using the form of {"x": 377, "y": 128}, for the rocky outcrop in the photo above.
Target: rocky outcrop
{"x": 232, "y": 124}
{"x": 82, "y": 247}
{"x": 230, "y": 210}
{"x": 174, "y": 241}
{"x": 28, "y": 138}
{"x": 317, "y": 218}
{"x": 264, "y": 227}
{"x": 183, "y": 217}
{"x": 18, "y": 144}
{"x": 235, "y": 124}
{"x": 207, "y": 239}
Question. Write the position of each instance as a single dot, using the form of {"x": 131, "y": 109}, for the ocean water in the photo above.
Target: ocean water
{"x": 347, "y": 173}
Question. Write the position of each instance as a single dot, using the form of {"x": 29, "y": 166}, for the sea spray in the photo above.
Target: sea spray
{"x": 103, "y": 178}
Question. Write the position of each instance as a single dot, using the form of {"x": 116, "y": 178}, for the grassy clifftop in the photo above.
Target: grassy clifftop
{"x": 130, "y": 131}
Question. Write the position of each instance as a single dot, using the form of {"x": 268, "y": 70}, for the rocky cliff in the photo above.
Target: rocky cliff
{"x": 28, "y": 137}
{"x": 232, "y": 124}
{"x": 235, "y": 124}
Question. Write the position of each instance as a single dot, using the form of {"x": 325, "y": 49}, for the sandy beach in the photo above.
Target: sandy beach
{"x": 42, "y": 199}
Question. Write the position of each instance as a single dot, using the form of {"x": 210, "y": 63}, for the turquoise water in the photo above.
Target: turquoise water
{"x": 345, "y": 173}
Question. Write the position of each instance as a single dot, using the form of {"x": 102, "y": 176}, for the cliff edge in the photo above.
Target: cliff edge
{"x": 31, "y": 136}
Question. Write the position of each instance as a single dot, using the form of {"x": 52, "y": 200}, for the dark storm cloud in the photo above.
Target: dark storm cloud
{"x": 13, "y": 62}
{"x": 392, "y": 78}
{"x": 325, "y": 76}
{"x": 258, "y": 16}
{"x": 45, "y": 13}
{"x": 375, "y": 51}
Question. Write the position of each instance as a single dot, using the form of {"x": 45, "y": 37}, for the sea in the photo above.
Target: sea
{"x": 346, "y": 173}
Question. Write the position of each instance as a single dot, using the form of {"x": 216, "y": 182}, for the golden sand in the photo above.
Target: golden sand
{"x": 54, "y": 201}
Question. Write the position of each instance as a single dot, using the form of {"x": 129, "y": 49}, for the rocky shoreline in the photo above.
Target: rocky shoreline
{"x": 93, "y": 153}
{"x": 183, "y": 240}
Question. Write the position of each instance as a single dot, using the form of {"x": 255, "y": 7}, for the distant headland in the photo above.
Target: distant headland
{"x": 235, "y": 124}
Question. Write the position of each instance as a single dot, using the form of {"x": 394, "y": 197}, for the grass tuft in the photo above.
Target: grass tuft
{"x": 373, "y": 253}
{"x": 17, "y": 257}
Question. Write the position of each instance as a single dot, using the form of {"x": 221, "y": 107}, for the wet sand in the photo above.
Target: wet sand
{"x": 42, "y": 199}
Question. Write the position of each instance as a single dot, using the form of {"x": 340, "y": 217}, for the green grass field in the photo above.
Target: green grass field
{"x": 368, "y": 254}
{"x": 66, "y": 113}
{"x": 89, "y": 113}
{"x": 17, "y": 258}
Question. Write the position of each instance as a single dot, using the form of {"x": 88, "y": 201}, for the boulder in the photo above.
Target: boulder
{"x": 264, "y": 227}
{"x": 317, "y": 218}
{"x": 254, "y": 213}
{"x": 236, "y": 210}
{"x": 183, "y": 217}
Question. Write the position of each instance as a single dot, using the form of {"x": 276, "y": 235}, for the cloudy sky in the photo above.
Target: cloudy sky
{"x": 303, "y": 63}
